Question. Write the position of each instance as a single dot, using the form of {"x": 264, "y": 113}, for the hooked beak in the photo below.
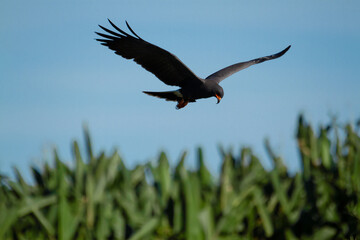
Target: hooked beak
{"x": 218, "y": 98}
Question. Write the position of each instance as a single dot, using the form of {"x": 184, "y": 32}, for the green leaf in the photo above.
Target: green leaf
{"x": 204, "y": 174}
{"x": 206, "y": 218}
{"x": 146, "y": 229}
{"x": 8, "y": 217}
{"x": 324, "y": 146}
{"x": 226, "y": 188}
{"x": 263, "y": 212}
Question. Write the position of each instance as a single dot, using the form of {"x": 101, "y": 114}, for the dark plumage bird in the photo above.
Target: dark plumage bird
{"x": 169, "y": 69}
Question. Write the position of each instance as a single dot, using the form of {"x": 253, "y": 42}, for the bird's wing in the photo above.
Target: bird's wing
{"x": 228, "y": 71}
{"x": 164, "y": 65}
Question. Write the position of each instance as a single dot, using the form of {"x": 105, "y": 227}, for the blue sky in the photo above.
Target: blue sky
{"x": 54, "y": 76}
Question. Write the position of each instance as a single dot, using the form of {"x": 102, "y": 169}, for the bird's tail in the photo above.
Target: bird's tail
{"x": 168, "y": 96}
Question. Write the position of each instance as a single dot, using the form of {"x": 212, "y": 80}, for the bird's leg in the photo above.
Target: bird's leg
{"x": 181, "y": 103}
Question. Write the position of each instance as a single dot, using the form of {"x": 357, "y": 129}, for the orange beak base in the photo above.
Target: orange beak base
{"x": 218, "y": 98}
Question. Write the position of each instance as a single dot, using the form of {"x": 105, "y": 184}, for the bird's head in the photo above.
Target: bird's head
{"x": 218, "y": 93}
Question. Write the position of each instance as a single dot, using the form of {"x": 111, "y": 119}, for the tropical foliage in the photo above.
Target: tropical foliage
{"x": 100, "y": 198}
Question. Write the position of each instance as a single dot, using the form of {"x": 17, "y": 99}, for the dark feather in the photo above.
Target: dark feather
{"x": 228, "y": 71}
{"x": 132, "y": 30}
{"x": 164, "y": 65}
{"x": 168, "y": 96}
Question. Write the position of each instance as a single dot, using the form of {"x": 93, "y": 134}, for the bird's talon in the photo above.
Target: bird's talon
{"x": 181, "y": 103}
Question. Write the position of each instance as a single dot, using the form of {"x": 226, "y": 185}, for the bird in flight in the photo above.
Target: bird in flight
{"x": 169, "y": 69}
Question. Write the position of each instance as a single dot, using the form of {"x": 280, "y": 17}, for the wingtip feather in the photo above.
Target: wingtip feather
{"x": 127, "y": 24}
{"x": 279, "y": 54}
{"x": 118, "y": 29}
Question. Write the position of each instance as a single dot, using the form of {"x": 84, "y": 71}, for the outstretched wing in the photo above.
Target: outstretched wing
{"x": 164, "y": 65}
{"x": 230, "y": 70}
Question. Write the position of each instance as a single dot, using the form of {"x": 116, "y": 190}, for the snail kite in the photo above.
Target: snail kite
{"x": 169, "y": 69}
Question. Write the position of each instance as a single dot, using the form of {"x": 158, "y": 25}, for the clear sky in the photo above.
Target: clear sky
{"x": 54, "y": 76}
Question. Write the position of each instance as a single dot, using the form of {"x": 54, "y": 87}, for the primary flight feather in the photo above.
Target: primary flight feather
{"x": 169, "y": 69}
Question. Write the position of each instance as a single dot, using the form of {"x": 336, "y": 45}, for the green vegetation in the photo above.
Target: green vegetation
{"x": 101, "y": 198}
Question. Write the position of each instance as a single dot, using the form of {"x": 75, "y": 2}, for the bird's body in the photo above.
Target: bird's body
{"x": 170, "y": 70}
